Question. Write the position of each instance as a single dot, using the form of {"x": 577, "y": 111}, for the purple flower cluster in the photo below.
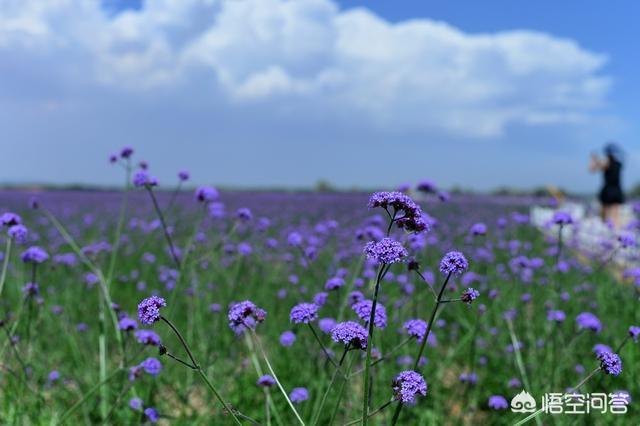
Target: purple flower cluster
{"x": 34, "y": 254}
{"x": 299, "y": 395}
{"x": 18, "y": 233}
{"x": 453, "y": 263}
{"x": 206, "y": 194}
{"x": 469, "y": 295}
{"x": 142, "y": 178}
{"x": 147, "y": 337}
{"x": 266, "y": 381}
{"x": 562, "y": 218}
{"x": 334, "y": 283}
{"x": 385, "y": 251}
{"x": 412, "y": 220}
{"x": 478, "y": 229}
{"x": 149, "y": 309}
{"x": 304, "y": 313}
{"x": 407, "y": 385}
{"x": 363, "y": 310}
{"x": 245, "y": 315}
{"x": 127, "y": 324}
{"x": 9, "y": 219}
{"x": 587, "y": 320}
{"x": 556, "y": 315}
{"x": 634, "y": 332}
{"x": 350, "y": 333}
{"x": 416, "y": 328}
{"x": 610, "y": 363}
{"x": 498, "y": 402}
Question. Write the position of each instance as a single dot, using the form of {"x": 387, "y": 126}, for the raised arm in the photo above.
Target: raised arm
{"x": 597, "y": 164}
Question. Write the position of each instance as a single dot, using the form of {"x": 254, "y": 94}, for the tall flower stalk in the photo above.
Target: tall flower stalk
{"x": 453, "y": 263}
{"x": 149, "y": 313}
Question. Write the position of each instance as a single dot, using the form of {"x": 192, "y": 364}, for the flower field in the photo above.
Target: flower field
{"x": 161, "y": 304}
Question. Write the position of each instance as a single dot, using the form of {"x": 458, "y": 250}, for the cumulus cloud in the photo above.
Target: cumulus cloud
{"x": 418, "y": 75}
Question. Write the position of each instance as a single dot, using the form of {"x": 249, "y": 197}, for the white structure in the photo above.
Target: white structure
{"x": 589, "y": 235}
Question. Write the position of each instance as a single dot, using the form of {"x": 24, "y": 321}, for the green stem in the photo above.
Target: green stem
{"x": 367, "y": 365}
{"x": 5, "y": 264}
{"x": 396, "y": 414}
{"x": 275, "y": 377}
{"x": 86, "y": 396}
{"x": 326, "y": 393}
{"x": 174, "y": 256}
{"x": 340, "y": 394}
{"x": 199, "y": 370}
{"x": 324, "y": 349}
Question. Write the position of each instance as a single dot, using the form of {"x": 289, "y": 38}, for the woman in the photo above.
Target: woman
{"x": 611, "y": 195}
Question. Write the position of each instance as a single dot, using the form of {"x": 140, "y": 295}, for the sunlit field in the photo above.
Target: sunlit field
{"x": 263, "y": 306}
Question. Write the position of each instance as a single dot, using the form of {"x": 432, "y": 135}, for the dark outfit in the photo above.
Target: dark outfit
{"x": 611, "y": 192}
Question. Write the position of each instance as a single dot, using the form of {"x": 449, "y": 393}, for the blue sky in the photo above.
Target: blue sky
{"x": 279, "y": 93}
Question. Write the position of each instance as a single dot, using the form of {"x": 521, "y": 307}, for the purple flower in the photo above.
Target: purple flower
{"x": 498, "y": 402}
{"x": 30, "y": 289}
{"x": 244, "y": 214}
{"x": 407, "y": 385}
{"x": 126, "y": 152}
{"x": 326, "y": 324}
{"x": 350, "y": 333}
{"x": 135, "y": 404}
{"x": 206, "y": 194}
{"x": 416, "y": 328}
{"x": 304, "y": 313}
{"x": 9, "y": 219}
{"x": 152, "y": 366}
{"x": 469, "y": 295}
{"x": 143, "y": 179}
{"x": 610, "y": 363}
{"x": 149, "y": 309}
{"x": 355, "y": 297}
{"x": 320, "y": 298}
{"x": 294, "y": 239}
{"x": 287, "y": 338}
{"x": 453, "y": 263}
{"x": 634, "y": 332}
{"x": 127, "y": 324}
{"x": 599, "y": 349}
{"x": 562, "y": 218}
{"x": 183, "y": 175}
{"x": 152, "y": 414}
{"x": 53, "y": 376}
{"x": 514, "y": 382}
{"x": 245, "y": 314}
{"x": 298, "y": 395}
{"x": 556, "y": 315}
{"x": 478, "y": 229}
{"x": 385, "y": 251}
{"x": 627, "y": 240}
{"x": 245, "y": 249}
{"x": 363, "y": 310}
{"x": 412, "y": 220}
{"x": 470, "y": 378}
{"x": 34, "y": 254}
{"x": 18, "y": 233}
{"x": 333, "y": 283}
{"x": 147, "y": 337}
{"x": 426, "y": 186}
{"x": 266, "y": 381}
{"x": 586, "y": 320}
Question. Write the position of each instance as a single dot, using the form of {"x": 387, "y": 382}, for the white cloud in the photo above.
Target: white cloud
{"x": 417, "y": 75}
